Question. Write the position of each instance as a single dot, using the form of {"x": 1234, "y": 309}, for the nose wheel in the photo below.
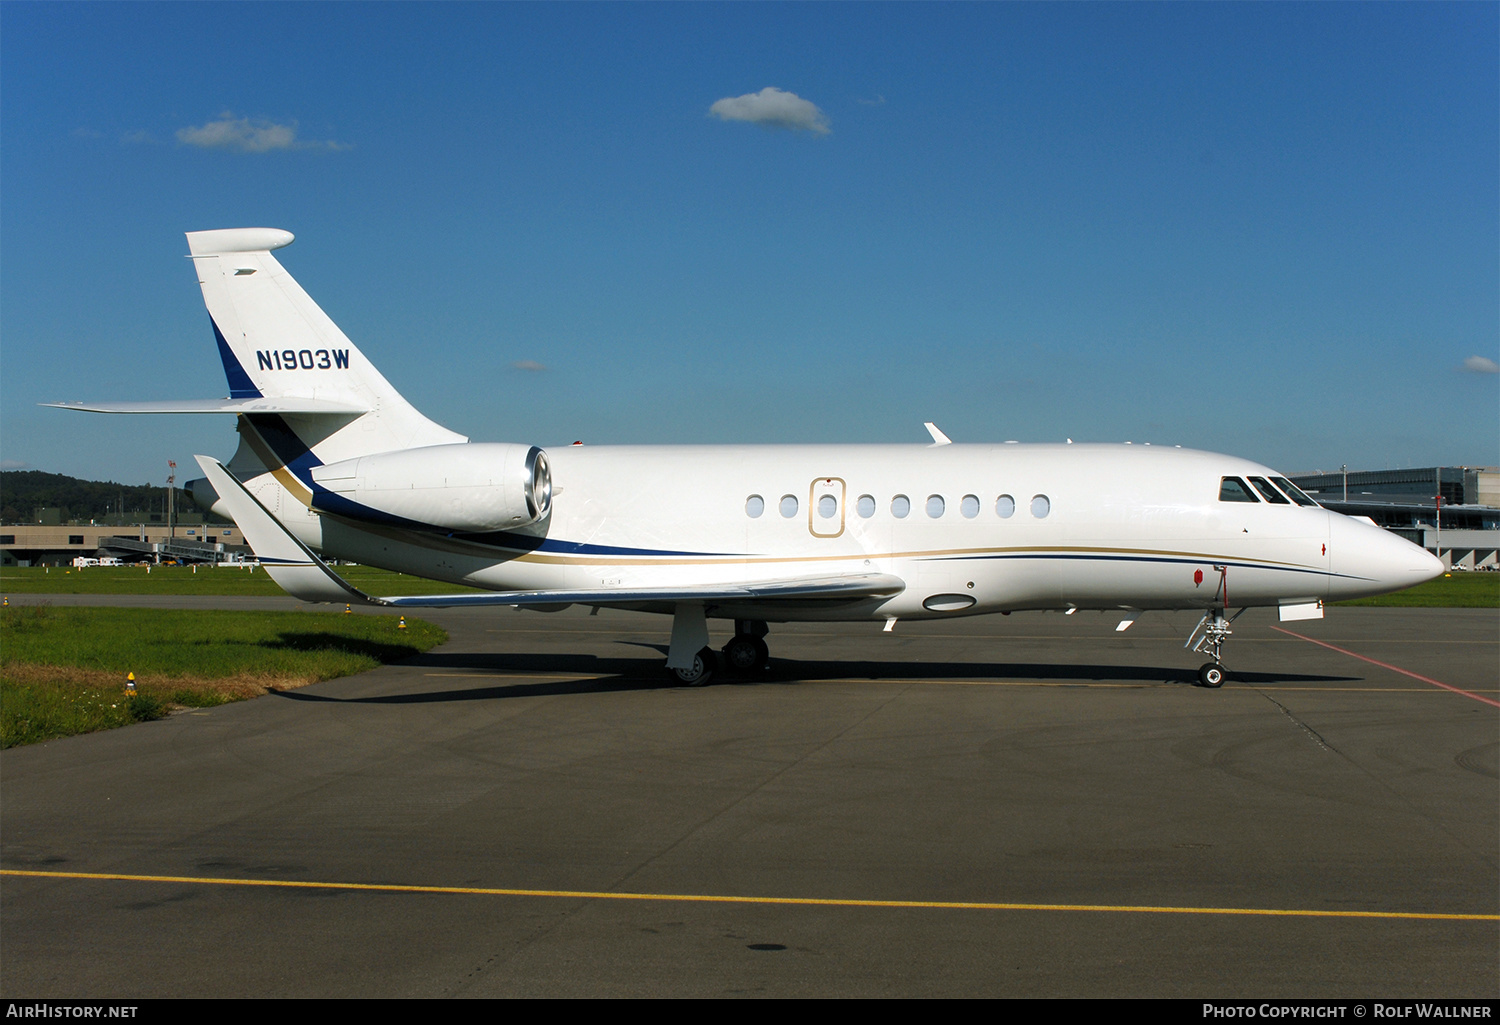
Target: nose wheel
{"x": 1208, "y": 637}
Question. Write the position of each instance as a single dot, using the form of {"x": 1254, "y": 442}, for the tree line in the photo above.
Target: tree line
{"x": 23, "y": 492}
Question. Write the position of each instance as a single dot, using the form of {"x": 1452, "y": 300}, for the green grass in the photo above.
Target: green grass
{"x": 182, "y": 580}
{"x": 63, "y": 670}
{"x": 1458, "y": 591}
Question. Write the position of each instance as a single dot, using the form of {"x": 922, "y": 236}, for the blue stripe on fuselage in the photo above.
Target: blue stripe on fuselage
{"x": 1185, "y": 560}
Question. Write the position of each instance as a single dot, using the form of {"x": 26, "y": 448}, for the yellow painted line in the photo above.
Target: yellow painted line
{"x": 898, "y": 681}
{"x": 705, "y": 898}
{"x": 518, "y": 676}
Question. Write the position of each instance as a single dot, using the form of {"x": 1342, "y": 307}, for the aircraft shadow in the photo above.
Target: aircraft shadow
{"x": 605, "y": 675}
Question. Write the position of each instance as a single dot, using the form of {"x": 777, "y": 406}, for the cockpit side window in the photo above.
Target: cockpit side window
{"x": 1293, "y": 492}
{"x": 1232, "y": 489}
{"x": 1267, "y": 492}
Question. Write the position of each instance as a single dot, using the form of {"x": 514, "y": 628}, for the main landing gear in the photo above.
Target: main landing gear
{"x": 1208, "y": 637}
{"x": 747, "y": 651}
{"x": 700, "y": 672}
{"x": 693, "y": 663}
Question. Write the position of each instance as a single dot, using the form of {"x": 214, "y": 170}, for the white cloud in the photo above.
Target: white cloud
{"x": 527, "y": 364}
{"x": 1480, "y": 365}
{"x": 249, "y": 135}
{"x": 773, "y": 108}
{"x": 14, "y": 464}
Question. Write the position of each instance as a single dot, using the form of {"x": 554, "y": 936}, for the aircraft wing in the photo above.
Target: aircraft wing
{"x": 861, "y": 585}
{"x": 299, "y": 571}
{"x": 283, "y": 404}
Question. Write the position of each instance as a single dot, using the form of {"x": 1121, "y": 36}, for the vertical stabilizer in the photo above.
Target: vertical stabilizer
{"x": 276, "y": 342}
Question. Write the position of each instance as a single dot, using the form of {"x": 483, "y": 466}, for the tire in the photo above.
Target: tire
{"x": 743, "y": 654}
{"x": 1211, "y": 674}
{"x": 700, "y": 672}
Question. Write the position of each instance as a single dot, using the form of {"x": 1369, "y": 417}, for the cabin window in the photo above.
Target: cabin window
{"x": 1041, "y": 505}
{"x": 754, "y": 506}
{"x": 788, "y": 506}
{"x": 1267, "y": 492}
{"x": 1005, "y": 507}
{"x": 935, "y": 506}
{"x": 1293, "y": 492}
{"x": 900, "y": 507}
{"x": 1232, "y": 489}
{"x": 865, "y": 506}
{"x": 969, "y": 506}
{"x": 828, "y": 506}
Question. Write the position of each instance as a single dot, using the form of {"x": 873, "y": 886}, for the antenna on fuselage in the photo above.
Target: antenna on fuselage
{"x": 938, "y": 437}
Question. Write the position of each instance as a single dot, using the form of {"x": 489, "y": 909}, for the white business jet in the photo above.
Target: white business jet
{"x": 334, "y": 464}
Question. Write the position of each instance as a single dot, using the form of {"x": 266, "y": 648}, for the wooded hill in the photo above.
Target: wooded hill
{"x": 23, "y": 492}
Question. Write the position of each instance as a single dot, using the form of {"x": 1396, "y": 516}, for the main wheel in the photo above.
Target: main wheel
{"x": 762, "y": 653}
{"x": 743, "y": 654}
{"x": 1211, "y": 674}
{"x": 701, "y": 671}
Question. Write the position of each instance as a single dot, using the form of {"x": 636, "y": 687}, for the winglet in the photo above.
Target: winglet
{"x": 938, "y": 437}
{"x": 290, "y": 562}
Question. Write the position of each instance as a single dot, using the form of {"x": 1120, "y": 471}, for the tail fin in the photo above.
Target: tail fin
{"x": 277, "y": 344}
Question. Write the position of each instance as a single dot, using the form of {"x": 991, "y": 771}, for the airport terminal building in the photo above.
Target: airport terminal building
{"x": 37, "y": 544}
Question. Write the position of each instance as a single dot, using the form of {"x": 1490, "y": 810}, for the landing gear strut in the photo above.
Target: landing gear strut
{"x": 746, "y": 651}
{"x": 1208, "y": 637}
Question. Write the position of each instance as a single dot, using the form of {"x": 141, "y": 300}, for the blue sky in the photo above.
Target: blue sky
{"x": 1264, "y": 229}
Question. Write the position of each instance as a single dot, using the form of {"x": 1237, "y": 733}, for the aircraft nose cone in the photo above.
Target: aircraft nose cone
{"x": 1368, "y": 560}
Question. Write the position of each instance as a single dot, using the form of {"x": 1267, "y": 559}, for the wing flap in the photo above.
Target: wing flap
{"x": 862, "y": 585}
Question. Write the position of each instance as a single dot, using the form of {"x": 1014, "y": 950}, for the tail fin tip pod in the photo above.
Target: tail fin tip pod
{"x": 238, "y": 240}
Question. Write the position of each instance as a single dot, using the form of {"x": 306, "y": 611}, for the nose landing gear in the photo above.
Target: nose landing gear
{"x": 1208, "y": 637}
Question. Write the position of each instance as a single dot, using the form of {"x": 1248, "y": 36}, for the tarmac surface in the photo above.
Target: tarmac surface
{"x": 1031, "y": 805}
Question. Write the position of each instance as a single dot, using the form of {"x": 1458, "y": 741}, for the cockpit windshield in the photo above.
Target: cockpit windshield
{"x": 1232, "y": 489}
{"x": 1293, "y": 492}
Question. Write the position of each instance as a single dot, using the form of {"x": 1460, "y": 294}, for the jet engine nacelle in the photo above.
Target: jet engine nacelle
{"x": 462, "y": 488}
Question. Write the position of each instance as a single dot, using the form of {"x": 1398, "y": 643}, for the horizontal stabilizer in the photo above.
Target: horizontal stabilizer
{"x": 280, "y": 404}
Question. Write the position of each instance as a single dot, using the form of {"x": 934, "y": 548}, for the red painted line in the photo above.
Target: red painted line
{"x": 1394, "y": 669}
